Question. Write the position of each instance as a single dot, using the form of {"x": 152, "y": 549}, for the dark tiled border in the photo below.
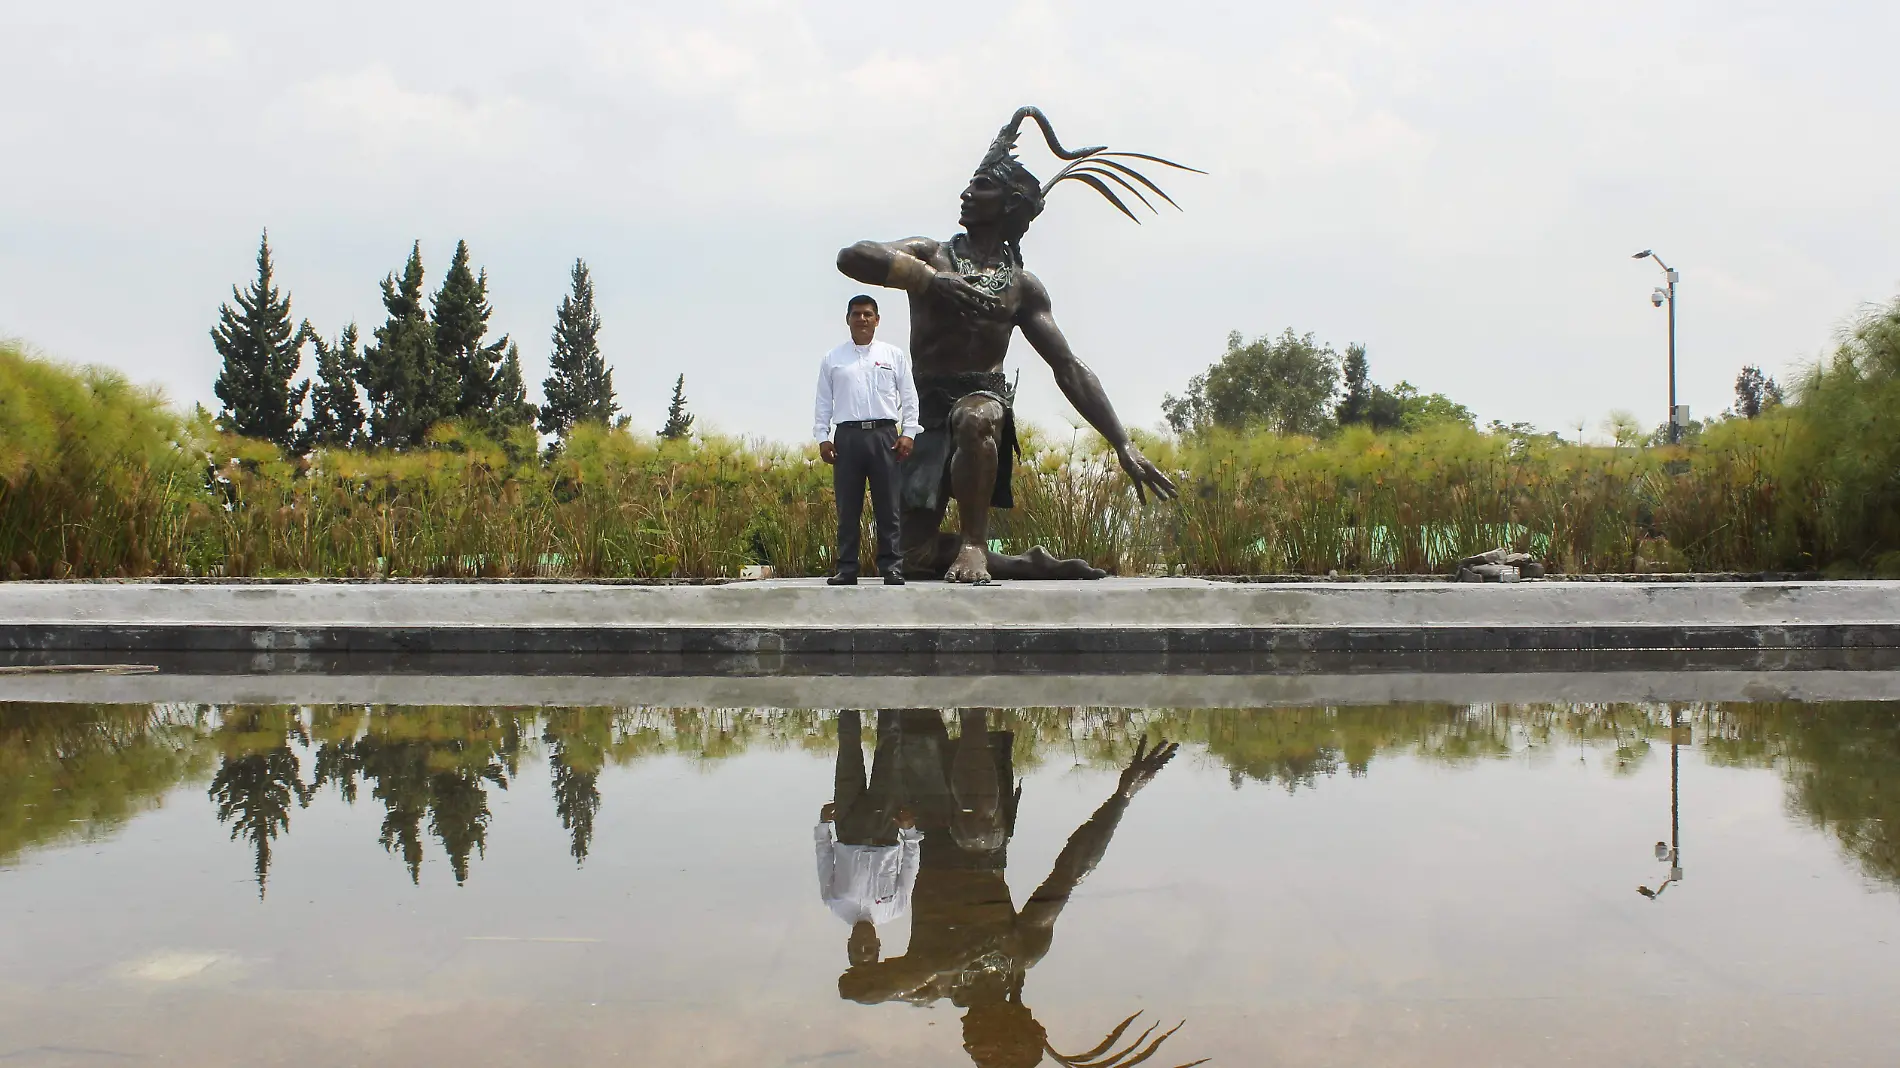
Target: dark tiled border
{"x": 916, "y": 641}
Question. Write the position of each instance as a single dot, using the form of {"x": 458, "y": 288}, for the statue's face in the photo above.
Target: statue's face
{"x": 985, "y": 201}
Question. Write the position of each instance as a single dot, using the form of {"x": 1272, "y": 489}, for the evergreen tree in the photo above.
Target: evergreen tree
{"x": 461, "y": 319}
{"x": 336, "y": 412}
{"x": 262, "y": 350}
{"x": 409, "y": 389}
{"x": 580, "y": 388}
{"x": 1356, "y": 405}
{"x": 678, "y": 423}
{"x": 511, "y": 408}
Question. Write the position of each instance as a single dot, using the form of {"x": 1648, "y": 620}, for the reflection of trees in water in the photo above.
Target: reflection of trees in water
{"x": 68, "y": 770}
{"x": 432, "y": 762}
{"x": 1841, "y": 763}
{"x": 259, "y": 777}
{"x": 578, "y": 746}
{"x": 82, "y": 771}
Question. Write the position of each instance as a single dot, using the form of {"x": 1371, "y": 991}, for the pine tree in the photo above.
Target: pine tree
{"x": 262, "y": 350}
{"x": 510, "y": 408}
{"x": 336, "y": 412}
{"x": 580, "y": 388}
{"x": 460, "y": 319}
{"x": 1356, "y": 405}
{"x": 679, "y": 424}
{"x": 409, "y": 389}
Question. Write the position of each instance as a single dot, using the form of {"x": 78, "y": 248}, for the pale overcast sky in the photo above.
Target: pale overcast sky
{"x": 1457, "y": 185}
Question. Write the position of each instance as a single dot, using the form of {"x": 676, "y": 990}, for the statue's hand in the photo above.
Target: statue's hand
{"x": 1147, "y": 763}
{"x": 1146, "y": 476}
{"x": 950, "y": 288}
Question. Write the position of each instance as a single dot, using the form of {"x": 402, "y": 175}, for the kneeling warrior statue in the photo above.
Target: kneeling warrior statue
{"x": 967, "y": 295}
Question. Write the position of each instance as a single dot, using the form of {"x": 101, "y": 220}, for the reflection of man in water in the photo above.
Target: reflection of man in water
{"x": 867, "y": 843}
{"x": 968, "y": 941}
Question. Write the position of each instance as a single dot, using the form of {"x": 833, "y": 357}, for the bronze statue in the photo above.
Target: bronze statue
{"x": 967, "y": 295}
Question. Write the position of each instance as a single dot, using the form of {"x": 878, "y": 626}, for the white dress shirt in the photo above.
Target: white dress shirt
{"x": 861, "y": 882}
{"x": 858, "y": 382}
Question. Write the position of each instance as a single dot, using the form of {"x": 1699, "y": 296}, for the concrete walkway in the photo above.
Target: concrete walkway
{"x": 803, "y": 616}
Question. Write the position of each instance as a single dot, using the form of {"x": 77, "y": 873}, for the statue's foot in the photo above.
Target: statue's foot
{"x": 972, "y": 565}
{"x": 1044, "y": 564}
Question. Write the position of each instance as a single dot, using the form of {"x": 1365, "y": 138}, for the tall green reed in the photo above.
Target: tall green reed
{"x": 98, "y": 478}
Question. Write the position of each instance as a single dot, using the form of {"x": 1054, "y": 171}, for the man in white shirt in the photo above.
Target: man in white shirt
{"x": 867, "y": 842}
{"x": 865, "y": 421}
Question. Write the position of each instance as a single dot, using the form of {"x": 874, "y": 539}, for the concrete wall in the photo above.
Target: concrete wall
{"x": 1111, "y": 616}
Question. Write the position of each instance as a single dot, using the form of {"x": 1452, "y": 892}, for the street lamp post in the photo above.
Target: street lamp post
{"x": 1659, "y": 297}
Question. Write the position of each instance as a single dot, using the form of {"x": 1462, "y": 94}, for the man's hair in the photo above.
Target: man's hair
{"x": 863, "y": 946}
{"x": 862, "y": 298}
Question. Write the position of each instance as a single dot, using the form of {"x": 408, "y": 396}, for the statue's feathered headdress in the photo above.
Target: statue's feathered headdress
{"x": 1132, "y": 1054}
{"x": 1087, "y": 165}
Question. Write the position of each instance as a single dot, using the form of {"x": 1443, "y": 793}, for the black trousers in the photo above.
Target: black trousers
{"x": 865, "y": 456}
{"x": 867, "y": 811}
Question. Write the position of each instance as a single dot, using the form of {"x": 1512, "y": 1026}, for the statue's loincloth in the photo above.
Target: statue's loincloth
{"x": 924, "y": 479}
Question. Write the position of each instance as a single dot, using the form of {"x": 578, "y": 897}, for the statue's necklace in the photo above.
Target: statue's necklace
{"x": 992, "y": 280}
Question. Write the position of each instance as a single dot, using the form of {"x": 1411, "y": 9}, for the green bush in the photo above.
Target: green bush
{"x": 97, "y": 476}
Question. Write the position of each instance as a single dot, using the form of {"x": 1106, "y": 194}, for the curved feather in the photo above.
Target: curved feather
{"x": 1119, "y": 180}
{"x": 1137, "y": 176}
{"x": 1113, "y": 1059}
{"x": 1099, "y": 1050}
{"x": 1155, "y": 159}
{"x": 1153, "y": 1047}
{"x": 1100, "y": 187}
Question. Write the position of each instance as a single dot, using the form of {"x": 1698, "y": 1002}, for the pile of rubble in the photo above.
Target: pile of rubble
{"x": 1498, "y": 565}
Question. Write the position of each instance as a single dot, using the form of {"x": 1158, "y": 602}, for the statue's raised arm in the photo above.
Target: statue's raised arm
{"x": 967, "y": 296}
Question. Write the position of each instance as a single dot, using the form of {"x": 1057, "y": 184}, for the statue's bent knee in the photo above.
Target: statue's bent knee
{"x": 974, "y": 424}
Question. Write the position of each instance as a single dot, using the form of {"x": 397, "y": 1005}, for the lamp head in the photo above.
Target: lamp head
{"x": 1641, "y": 255}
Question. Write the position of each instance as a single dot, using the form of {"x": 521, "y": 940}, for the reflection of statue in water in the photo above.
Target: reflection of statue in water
{"x": 968, "y": 942}
{"x": 967, "y": 296}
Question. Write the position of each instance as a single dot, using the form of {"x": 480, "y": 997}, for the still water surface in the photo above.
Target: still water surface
{"x": 1407, "y": 885}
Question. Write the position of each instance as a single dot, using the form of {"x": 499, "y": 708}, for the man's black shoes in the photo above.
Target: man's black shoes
{"x": 893, "y": 577}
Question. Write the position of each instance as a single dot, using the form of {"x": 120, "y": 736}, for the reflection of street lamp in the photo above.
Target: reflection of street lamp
{"x": 1671, "y": 850}
{"x": 1659, "y": 297}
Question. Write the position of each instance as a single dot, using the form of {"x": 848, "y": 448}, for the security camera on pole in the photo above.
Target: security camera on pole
{"x": 1678, "y": 415}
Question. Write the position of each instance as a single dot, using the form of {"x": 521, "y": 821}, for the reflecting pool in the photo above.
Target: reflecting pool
{"x": 1625, "y": 884}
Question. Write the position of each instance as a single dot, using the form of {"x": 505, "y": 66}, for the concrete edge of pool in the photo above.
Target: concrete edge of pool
{"x": 966, "y": 691}
{"x": 1113, "y": 617}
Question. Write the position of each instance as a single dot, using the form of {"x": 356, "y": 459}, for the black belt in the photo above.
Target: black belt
{"x": 869, "y": 424}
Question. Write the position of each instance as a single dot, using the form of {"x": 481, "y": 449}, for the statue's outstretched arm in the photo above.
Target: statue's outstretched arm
{"x": 1086, "y": 846}
{"x": 1038, "y": 322}
{"x": 910, "y": 265}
